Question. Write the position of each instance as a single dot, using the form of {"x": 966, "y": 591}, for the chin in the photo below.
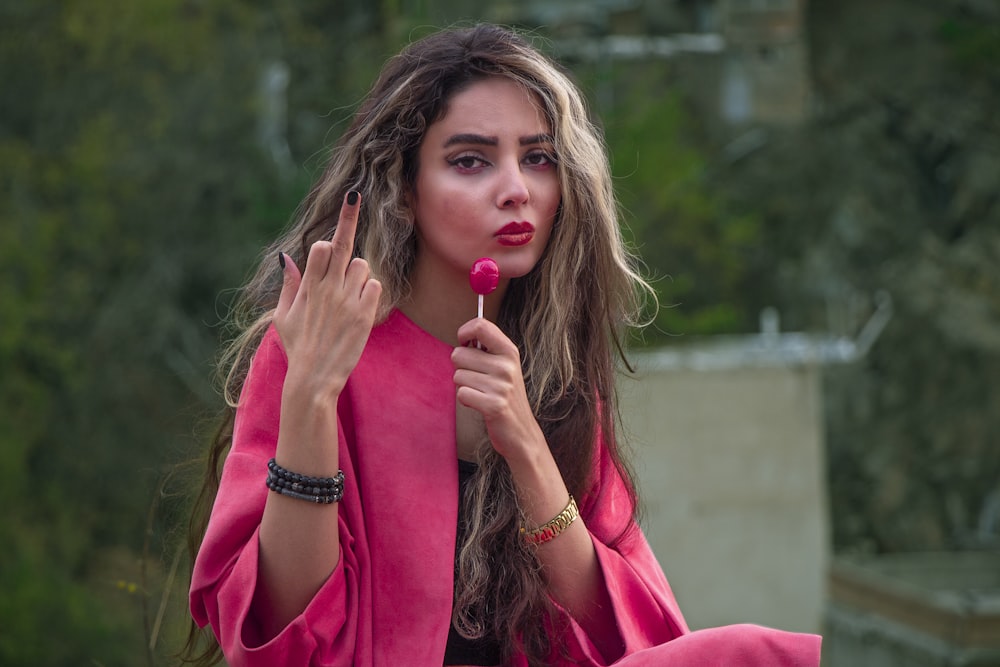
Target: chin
{"x": 517, "y": 268}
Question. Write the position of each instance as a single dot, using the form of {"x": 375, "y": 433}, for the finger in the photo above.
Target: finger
{"x": 318, "y": 264}
{"x": 370, "y": 295}
{"x": 292, "y": 278}
{"x": 474, "y": 378}
{"x": 483, "y": 402}
{"x": 469, "y": 397}
{"x": 471, "y": 358}
{"x": 467, "y": 333}
{"x": 357, "y": 276}
{"x": 488, "y": 334}
{"x": 347, "y": 225}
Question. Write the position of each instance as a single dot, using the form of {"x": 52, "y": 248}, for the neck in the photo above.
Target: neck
{"x": 441, "y": 304}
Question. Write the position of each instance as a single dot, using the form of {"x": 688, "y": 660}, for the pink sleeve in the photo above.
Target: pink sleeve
{"x": 649, "y": 620}
{"x": 224, "y": 578}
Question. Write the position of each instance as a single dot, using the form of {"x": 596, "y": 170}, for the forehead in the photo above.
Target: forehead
{"x": 493, "y": 106}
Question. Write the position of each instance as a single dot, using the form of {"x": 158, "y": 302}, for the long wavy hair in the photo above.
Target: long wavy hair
{"x": 567, "y": 315}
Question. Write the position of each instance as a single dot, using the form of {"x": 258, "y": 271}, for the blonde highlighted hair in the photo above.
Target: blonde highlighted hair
{"x": 567, "y": 315}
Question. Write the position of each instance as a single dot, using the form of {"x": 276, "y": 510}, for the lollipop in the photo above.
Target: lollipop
{"x": 483, "y": 278}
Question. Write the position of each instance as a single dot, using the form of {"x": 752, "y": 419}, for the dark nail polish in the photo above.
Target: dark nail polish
{"x": 281, "y": 260}
{"x": 352, "y": 197}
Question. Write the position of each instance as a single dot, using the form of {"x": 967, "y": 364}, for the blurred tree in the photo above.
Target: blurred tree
{"x": 129, "y": 161}
{"x": 702, "y": 255}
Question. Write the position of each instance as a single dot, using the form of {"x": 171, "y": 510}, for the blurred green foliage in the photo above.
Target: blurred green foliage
{"x": 698, "y": 253}
{"x": 133, "y": 192}
{"x": 974, "y": 45}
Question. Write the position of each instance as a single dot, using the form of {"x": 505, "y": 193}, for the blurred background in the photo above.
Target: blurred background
{"x": 832, "y": 164}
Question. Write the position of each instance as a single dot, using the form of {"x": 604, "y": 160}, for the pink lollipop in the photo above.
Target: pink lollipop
{"x": 483, "y": 278}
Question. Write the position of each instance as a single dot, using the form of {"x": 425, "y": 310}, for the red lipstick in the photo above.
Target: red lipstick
{"x": 515, "y": 233}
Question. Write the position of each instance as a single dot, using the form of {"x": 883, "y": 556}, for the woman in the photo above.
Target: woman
{"x": 466, "y": 501}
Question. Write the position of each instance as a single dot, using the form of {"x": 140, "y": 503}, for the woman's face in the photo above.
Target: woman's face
{"x": 486, "y": 185}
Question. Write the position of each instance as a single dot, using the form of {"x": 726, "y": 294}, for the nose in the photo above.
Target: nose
{"x": 513, "y": 188}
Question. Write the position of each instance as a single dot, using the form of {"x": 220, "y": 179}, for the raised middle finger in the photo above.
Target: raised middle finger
{"x": 343, "y": 236}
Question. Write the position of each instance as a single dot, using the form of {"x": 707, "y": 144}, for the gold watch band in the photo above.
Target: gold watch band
{"x": 553, "y": 528}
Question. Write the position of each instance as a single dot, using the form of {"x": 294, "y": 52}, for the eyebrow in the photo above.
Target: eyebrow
{"x": 482, "y": 140}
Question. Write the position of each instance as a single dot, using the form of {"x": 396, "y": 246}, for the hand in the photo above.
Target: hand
{"x": 489, "y": 380}
{"x": 325, "y": 316}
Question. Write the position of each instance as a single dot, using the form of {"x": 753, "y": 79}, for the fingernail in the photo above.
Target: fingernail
{"x": 352, "y": 197}
{"x": 281, "y": 260}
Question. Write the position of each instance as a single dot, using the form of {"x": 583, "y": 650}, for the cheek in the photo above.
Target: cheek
{"x": 452, "y": 214}
{"x": 447, "y": 194}
{"x": 462, "y": 210}
{"x": 554, "y": 203}
{"x": 554, "y": 209}
{"x": 553, "y": 192}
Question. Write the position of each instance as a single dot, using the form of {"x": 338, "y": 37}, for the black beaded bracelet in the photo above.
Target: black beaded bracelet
{"x": 299, "y": 482}
{"x": 322, "y": 490}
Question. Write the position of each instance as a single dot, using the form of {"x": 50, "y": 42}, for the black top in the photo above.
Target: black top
{"x": 459, "y": 650}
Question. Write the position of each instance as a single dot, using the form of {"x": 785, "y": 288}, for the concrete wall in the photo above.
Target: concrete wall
{"x": 731, "y": 473}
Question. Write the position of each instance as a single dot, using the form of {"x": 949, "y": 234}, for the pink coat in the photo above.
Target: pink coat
{"x": 388, "y": 602}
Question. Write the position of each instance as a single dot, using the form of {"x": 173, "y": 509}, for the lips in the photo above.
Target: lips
{"x": 515, "y": 233}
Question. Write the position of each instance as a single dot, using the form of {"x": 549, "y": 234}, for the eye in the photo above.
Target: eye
{"x": 467, "y": 162}
{"x": 540, "y": 159}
